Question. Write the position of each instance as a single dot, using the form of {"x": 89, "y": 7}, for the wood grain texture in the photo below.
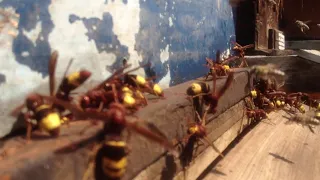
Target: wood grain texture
{"x": 312, "y": 55}
{"x": 281, "y": 151}
{"x": 225, "y": 128}
{"x": 209, "y": 155}
{"x": 306, "y": 44}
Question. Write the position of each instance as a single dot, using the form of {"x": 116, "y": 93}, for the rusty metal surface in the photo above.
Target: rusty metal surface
{"x": 38, "y": 160}
{"x": 302, "y": 10}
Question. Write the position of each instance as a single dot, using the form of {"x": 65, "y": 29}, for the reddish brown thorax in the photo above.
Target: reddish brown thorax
{"x": 117, "y": 113}
{"x": 84, "y": 75}
{"x": 33, "y": 101}
{"x": 256, "y": 114}
{"x": 197, "y": 130}
{"x": 212, "y": 100}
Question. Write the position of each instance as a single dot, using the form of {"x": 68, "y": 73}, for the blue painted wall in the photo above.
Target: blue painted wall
{"x": 175, "y": 36}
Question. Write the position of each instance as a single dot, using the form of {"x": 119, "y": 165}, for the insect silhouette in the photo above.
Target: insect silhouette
{"x": 47, "y": 116}
{"x": 209, "y": 98}
{"x": 302, "y": 25}
{"x": 241, "y": 53}
{"x": 110, "y": 161}
{"x": 198, "y": 130}
{"x": 101, "y": 96}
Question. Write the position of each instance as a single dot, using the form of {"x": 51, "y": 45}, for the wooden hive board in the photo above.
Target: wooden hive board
{"x": 281, "y": 151}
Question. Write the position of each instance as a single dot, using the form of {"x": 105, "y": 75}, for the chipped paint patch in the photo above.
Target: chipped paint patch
{"x": 25, "y": 53}
{"x": 165, "y": 81}
{"x": 178, "y": 33}
{"x": 225, "y": 54}
{"x": 71, "y": 41}
{"x": 126, "y": 26}
{"x": 17, "y": 75}
{"x": 170, "y": 22}
{"x": 164, "y": 54}
{"x": 34, "y": 33}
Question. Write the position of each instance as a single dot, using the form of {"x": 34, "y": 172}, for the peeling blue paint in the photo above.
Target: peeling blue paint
{"x": 100, "y": 31}
{"x": 198, "y": 28}
{"x": 174, "y": 36}
{"x": 29, "y": 11}
{"x": 192, "y": 29}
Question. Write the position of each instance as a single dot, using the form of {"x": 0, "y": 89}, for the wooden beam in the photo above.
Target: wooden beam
{"x": 39, "y": 160}
{"x": 312, "y": 55}
{"x": 305, "y": 44}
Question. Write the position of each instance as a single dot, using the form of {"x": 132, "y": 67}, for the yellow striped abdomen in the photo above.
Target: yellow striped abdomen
{"x": 74, "y": 79}
{"x": 114, "y": 159}
{"x": 50, "y": 122}
{"x": 114, "y": 169}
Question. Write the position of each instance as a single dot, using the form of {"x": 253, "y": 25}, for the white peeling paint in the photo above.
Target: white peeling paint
{"x": 164, "y": 54}
{"x": 170, "y": 22}
{"x": 165, "y": 81}
{"x": 126, "y": 26}
{"x": 173, "y": 17}
{"x": 161, "y": 16}
{"x": 201, "y": 22}
{"x": 34, "y": 33}
{"x": 25, "y": 54}
{"x": 17, "y": 75}
{"x": 71, "y": 41}
{"x": 225, "y": 54}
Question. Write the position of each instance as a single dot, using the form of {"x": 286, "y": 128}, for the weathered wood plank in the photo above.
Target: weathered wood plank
{"x": 225, "y": 127}
{"x": 305, "y": 44}
{"x": 312, "y": 55}
{"x": 209, "y": 155}
{"x": 283, "y": 151}
{"x": 39, "y": 160}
